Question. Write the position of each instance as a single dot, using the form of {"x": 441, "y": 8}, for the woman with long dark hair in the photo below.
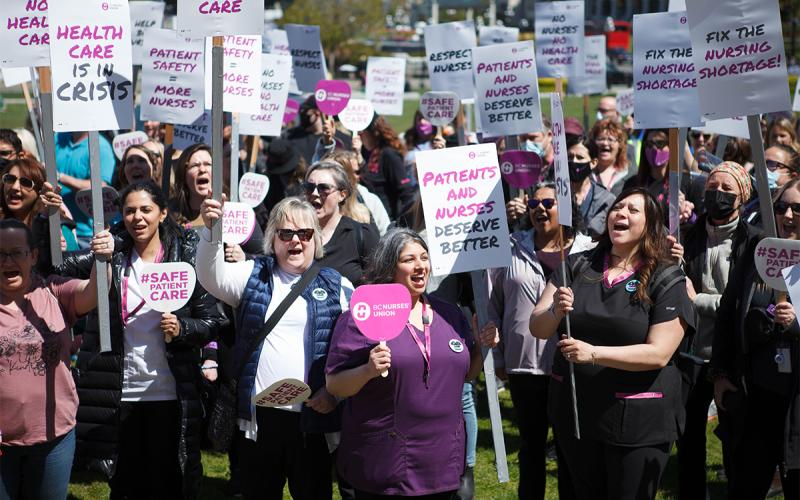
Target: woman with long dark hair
{"x": 628, "y": 309}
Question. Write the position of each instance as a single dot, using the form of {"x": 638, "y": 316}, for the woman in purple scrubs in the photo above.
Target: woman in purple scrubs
{"x": 403, "y": 435}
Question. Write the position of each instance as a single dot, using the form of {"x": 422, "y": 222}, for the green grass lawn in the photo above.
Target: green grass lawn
{"x": 86, "y": 486}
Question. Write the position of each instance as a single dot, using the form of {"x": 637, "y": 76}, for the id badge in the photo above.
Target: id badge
{"x": 783, "y": 358}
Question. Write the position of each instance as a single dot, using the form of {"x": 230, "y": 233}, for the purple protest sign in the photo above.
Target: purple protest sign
{"x": 332, "y": 96}
{"x": 292, "y": 108}
{"x": 381, "y": 311}
{"x": 521, "y": 169}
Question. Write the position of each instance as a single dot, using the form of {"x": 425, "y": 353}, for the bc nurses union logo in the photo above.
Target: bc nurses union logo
{"x": 321, "y": 95}
{"x": 507, "y": 168}
{"x": 361, "y": 311}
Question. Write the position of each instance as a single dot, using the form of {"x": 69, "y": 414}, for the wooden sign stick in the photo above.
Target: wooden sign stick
{"x": 675, "y": 156}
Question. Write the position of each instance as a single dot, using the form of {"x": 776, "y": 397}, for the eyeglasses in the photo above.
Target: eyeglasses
{"x": 16, "y": 255}
{"x": 11, "y": 179}
{"x": 547, "y": 203}
{"x": 606, "y": 140}
{"x": 5, "y": 153}
{"x": 773, "y": 165}
{"x": 656, "y": 144}
{"x": 697, "y": 135}
{"x": 200, "y": 164}
{"x": 289, "y": 234}
{"x": 322, "y": 188}
{"x": 781, "y": 207}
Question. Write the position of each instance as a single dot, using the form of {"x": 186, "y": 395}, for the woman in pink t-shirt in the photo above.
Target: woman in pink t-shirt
{"x": 38, "y": 400}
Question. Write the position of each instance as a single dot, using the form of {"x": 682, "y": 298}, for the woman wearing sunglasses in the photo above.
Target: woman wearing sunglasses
{"x": 754, "y": 367}
{"x": 523, "y": 360}
{"x": 38, "y": 400}
{"x": 346, "y": 241}
{"x": 287, "y": 442}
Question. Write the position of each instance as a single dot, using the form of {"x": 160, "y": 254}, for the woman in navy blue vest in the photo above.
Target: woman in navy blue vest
{"x": 287, "y": 442}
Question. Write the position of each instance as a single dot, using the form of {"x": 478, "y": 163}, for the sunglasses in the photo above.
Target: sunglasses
{"x": 5, "y": 153}
{"x": 656, "y": 144}
{"x": 289, "y": 234}
{"x": 322, "y": 188}
{"x": 773, "y": 165}
{"x": 11, "y": 179}
{"x": 697, "y": 135}
{"x": 781, "y": 207}
{"x": 547, "y": 203}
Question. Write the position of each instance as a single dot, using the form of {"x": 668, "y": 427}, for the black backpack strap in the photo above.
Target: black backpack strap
{"x": 665, "y": 280}
{"x": 581, "y": 264}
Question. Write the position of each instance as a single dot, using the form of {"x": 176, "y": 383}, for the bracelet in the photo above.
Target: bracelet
{"x": 212, "y": 367}
{"x": 594, "y": 358}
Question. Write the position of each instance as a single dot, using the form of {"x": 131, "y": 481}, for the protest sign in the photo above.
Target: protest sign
{"x": 448, "y": 49}
{"x": 664, "y": 83}
{"x": 276, "y": 42}
{"x": 241, "y": 87}
{"x": 144, "y": 16}
{"x": 238, "y": 222}
{"x": 332, "y": 96}
{"x": 284, "y": 392}
{"x": 292, "y": 108}
{"x": 521, "y": 169}
{"x": 625, "y": 102}
{"x": 462, "y": 199}
{"x": 167, "y": 286}
{"x": 507, "y": 89}
{"x": 492, "y": 35}
{"x": 308, "y": 59}
{"x": 559, "y": 38}
{"x": 124, "y": 141}
{"x": 676, "y": 5}
{"x": 796, "y": 102}
{"x": 24, "y": 36}
{"x": 90, "y": 51}
{"x": 593, "y": 80}
{"x": 199, "y": 130}
{"x": 173, "y": 86}
{"x": 276, "y": 71}
{"x": 203, "y": 18}
{"x": 772, "y": 255}
{"x": 83, "y": 199}
{"x": 381, "y": 312}
{"x": 739, "y": 56}
{"x": 791, "y": 275}
{"x": 563, "y": 191}
{"x": 732, "y": 127}
{"x": 357, "y": 115}
{"x": 15, "y": 76}
{"x": 253, "y": 188}
{"x": 386, "y": 79}
{"x": 439, "y": 108}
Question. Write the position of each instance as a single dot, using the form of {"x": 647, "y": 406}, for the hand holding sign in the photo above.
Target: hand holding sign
{"x": 381, "y": 311}
{"x": 167, "y": 287}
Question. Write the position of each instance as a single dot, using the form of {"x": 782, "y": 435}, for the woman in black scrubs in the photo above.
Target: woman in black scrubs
{"x": 629, "y": 310}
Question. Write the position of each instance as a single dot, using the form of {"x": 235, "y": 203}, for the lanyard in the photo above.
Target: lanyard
{"x": 426, "y": 348}
{"x": 128, "y": 266}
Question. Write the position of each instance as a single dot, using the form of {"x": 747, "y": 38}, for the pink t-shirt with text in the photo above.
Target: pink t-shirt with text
{"x": 38, "y": 400}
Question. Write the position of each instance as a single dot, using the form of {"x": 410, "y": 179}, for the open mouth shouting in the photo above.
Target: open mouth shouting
{"x": 418, "y": 280}
{"x": 14, "y": 199}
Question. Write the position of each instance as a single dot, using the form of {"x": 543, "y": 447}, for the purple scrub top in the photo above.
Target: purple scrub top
{"x": 399, "y": 436}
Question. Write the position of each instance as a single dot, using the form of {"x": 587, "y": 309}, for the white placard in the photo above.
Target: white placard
{"x": 676, "y": 5}
{"x": 447, "y": 47}
{"x": 462, "y": 199}
{"x": 15, "y": 76}
{"x": 144, "y": 16}
{"x": 167, "y": 286}
{"x": 253, "y": 188}
{"x": 308, "y": 58}
{"x": 563, "y": 191}
{"x": 559, "y": 38}
{"x": 507, "y": 89}
{"x": 90, "y": 50}
{"x": 220, "y": 17}
{"x": 276, "y": 70}
{"x": 739, "y": 56}
{"x": 593, "y": 80}
{"x": 796, "y": 102}
{"x": 124, "y": 141}
{"x": 625, "y": 102}
{"x": 491, "y": 35}
{"x": 386, "y": 80}
{"x": 276, "y": 42}
{"x": 664, "y": 82}
{"x": 357, "y": 115}
{"x": 791, "y": 276}
{"x": 184, "y": 136}
{"x": 24, "y": 34}
{"x": 172, "y": 78}
{"x": 772, "y": 255}
{"x": 238, "y": 222}
{"x": 241, "y": 80}
{"x": 732, "y": 127}
{"x": 439, "y": 108}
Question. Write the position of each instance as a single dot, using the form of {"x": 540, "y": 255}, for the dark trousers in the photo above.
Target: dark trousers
{"x": 363, "y": 495}
{"x": 600, "y": 470}
{"x": 760, "y": 450}
{"x": 284, "y": 452}
{"x": 692, "y": 444}
{"x": 147, "y": 464}
{"x": 529, "y": 395}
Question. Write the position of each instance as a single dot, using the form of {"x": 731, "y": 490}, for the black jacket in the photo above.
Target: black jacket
{"x": 99, "y": 376}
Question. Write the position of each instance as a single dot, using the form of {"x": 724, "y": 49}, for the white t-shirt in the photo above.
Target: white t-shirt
{"x": 146, "y": 374}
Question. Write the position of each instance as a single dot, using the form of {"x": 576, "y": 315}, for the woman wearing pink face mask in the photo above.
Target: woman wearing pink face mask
{"x": 418, "y": 138}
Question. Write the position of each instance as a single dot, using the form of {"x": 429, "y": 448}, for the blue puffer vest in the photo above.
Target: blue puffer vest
{"x": 323, "y": 310}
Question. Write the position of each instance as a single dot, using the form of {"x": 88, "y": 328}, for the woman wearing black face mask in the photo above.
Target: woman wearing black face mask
{"x": 713, "y": 246}
{"x": 593, "y": 200}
